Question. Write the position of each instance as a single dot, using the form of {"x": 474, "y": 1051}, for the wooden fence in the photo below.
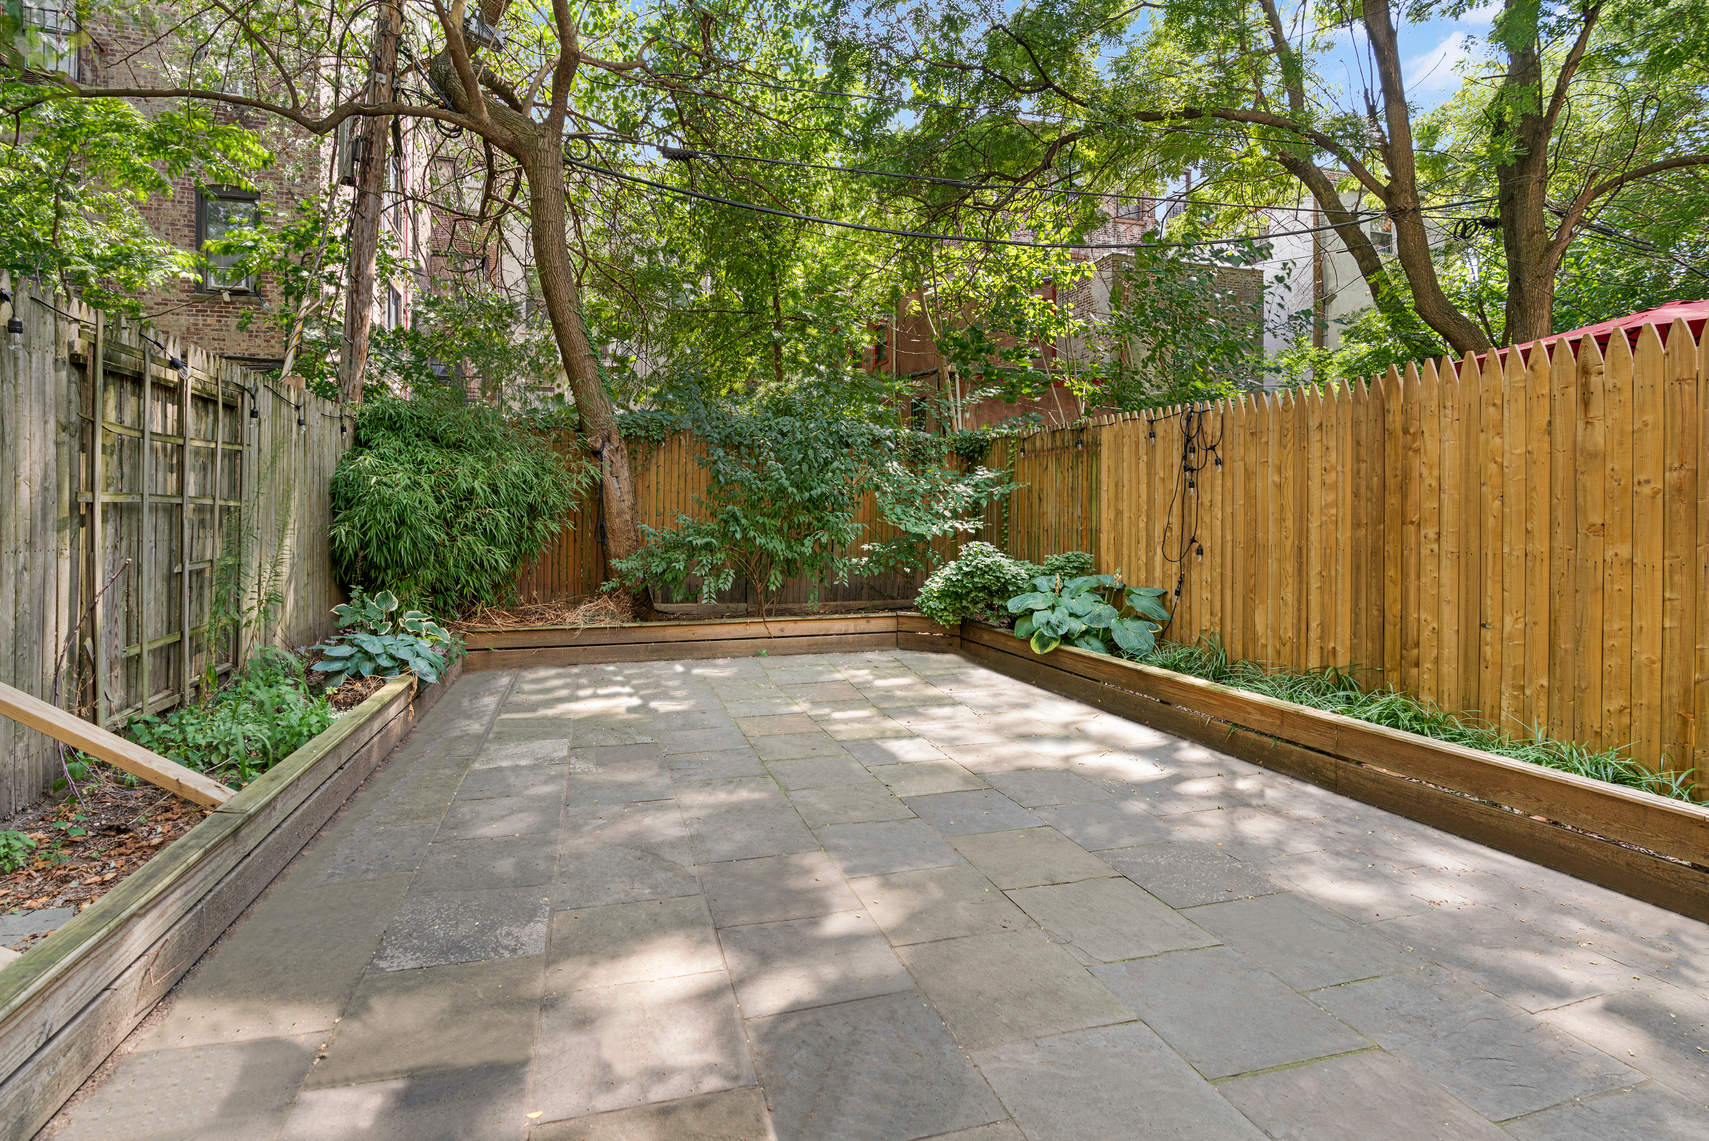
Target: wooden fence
{"x": 669, "y": 482}
{"x": 1525, "y": 538}
{"x": 116, "y": 468}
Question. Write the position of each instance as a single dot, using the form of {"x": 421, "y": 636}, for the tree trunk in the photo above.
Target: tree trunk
{"x": 365, "y": 224}
{"x": 1522, "y": 195}
{"x": 544, "y": 166}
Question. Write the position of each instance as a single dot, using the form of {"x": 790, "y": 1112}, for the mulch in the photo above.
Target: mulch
{"x": 123, "y": 828}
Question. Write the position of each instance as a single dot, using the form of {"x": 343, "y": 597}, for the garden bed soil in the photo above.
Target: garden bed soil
{"x": 122, "y": 828}
{"x": 87, "y": 845}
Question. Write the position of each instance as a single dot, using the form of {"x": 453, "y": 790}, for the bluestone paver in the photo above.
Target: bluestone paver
{"x": 1225, "y": 1016}
{"x": 895, "y": 895}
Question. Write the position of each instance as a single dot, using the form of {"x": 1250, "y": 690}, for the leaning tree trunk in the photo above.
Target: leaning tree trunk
{"x": 544, "y": 168}
{"x": 365, "y": 223}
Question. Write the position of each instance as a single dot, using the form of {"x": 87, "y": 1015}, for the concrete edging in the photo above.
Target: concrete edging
{"x": 70, "y": 1000}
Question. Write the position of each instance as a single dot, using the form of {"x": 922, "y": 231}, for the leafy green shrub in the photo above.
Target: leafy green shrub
{"x": 17, "y": 849}
{"x": 264, "y": 714}
{"x": 1338, "y": 691}
{"x": 445, "y": 501}
{"x": 779, "y": 503}
{"x": 926, "y": 501}
{"x": 977, "y": 585}
{"x": 1090, "y": 612}
{"x": 1069, "y": 564}
{"x": 372, "y": 642}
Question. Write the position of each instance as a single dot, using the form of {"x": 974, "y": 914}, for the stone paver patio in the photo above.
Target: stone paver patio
{"x": 895, "y": 896}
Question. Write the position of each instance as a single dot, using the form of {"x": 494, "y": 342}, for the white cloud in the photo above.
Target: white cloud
{"x": 1433, "y": 72}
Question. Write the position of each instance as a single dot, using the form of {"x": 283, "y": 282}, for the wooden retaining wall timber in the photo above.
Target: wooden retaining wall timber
{"x": 72, "y": 998}
{"x": 1646, "y": 846}
{"x": 714, "y": 638}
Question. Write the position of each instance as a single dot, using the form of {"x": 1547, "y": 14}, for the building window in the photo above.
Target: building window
{"x": 394, "y": 308}
{"x": 218, "y": 212}
{"x": 49, "y": 39}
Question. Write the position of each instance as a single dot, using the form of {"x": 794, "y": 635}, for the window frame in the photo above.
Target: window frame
{"x": 249, "y": 287}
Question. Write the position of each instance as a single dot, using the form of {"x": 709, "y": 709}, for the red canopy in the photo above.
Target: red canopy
{"x": 1694, "y": 313}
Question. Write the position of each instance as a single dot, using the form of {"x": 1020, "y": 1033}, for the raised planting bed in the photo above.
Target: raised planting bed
{"x": 72, "y": 998}
{"x": 1650, "y": 847}
{"x": 496, "y": 649}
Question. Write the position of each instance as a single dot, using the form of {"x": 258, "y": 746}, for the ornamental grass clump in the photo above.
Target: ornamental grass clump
{"x": 445, "y": 501}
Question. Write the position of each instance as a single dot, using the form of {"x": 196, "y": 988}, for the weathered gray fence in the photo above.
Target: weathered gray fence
{"x": 195, "y": 496}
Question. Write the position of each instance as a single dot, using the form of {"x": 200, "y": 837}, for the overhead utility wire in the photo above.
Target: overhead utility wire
{"x": 973, "y": 239}
{"x": 676, "y": 153}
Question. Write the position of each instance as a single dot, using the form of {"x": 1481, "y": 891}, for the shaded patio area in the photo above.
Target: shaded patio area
{"x": 895, "y": 895}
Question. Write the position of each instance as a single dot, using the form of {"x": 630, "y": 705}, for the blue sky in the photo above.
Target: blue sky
{"x": 1432, "y": 51}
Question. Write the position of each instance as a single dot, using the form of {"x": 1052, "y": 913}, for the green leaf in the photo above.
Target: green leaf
{"x": 1135, "y": 637}
{"x": 1043, "y": 643}
{"x": 1034, "y": 601}
{"x": 1024, "y": 626}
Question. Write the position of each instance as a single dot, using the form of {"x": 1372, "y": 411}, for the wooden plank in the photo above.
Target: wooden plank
{"x": 1680, "y": 601}
{"x": 1489, "y": 644}
{"x": 1538, "y": 491}
{"x": 1452, "y": 490}
{"x": 97, "y": 521}
{"x": 1430, "y": 532}
{"x": 1649, "y": 475}
{"x": 110, "y": 747}
{"x": 1411, "y": 427}
{"x": 1670, "y": 827}
{"x": 1515, "y": 437}
{"x": 1615, "y": 707}
{"x": 1315, "y": 537}
{"x": 1590, "y": 507}
{"x": 145, "y": 529}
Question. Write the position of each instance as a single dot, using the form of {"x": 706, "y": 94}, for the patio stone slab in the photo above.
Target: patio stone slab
{"x": 1104, "y": 824}
{"x": 617, "y": 1047}
{"x": 926, "y": 778}
{"x": 633, "y": 784}
{"x": 744, "y": 831}
{"x": 875, "y": 1068}
{"x": 1355, "y": 1098}
{"x": 237, "y": 1091}
{"x": 847, "y": 804}
{"x": 599, "y": 758}
{"x": 285, "y": 969}
{"x": 513, "y": 780}
{"x": 631, "y": 942}
{"x": 1030, "y": 857}
{"x": 962, "y": 813}
{"x": 1115, "y": 1081}
{"x": 1185, "y": 874}
{"x": 716, "y": 764}
{"x": 504, "y": 861}
{"x": 937, "y": 903}
{"x": 773, "y": 724}
{"x": 1107, "y": 920}
{"x": 819, "y": 772}
{"x": 886, "y": 846}
{"x": 1495, "y": 1057}
{"x": 367, "y": 853}
{"x": 395, "y": 1024}
{"x": 1649, "y": 1112}
{"x": 438, "y": 927}
{"x": 1660, "y": 1029}
{"x": 477, "y": 1101}
{"x": 773, "y": 888}
{"x": 864, "y": 724}
{"x": 1225, "y": 1016}
{"x": 1033, "y": 788}
{"x": 676, "y": 741}
{"x": 1305, "y": 946}
{"x": 734, "y": 1115}
{"x": 810, "y": 962}
{"x": 891, "y": 751}
{"x": 774, "y": 705}
{"x": 597, "y": 875}
{"x": 789, "y": 746}
{"x": 501, "y": 816}
{"x": 1008, "y": 987}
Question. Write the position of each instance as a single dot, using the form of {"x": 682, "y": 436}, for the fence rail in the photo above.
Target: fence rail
{"x": 1527, "y": 538}
{"x": 118, "y": 470}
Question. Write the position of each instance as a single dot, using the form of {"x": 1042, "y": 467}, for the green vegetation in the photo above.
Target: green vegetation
{"x": 260, "y": 717}
{"x": 16, "y": 849}
{"x": 980, "y": 581}
{"x": 1336, "y": 691}
{"x": 371, "y": 642}
{"x": 1089, "y": 611}
{"x": 444, "y": 501}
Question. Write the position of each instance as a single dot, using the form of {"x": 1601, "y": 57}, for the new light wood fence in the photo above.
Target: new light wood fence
{"x": 1527, "y": 538}
{"x": 114, "y": 468}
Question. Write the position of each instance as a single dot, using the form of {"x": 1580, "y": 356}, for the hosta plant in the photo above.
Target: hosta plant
{"x": 1090, "y": 612}
{"x": 372, "y": 642}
